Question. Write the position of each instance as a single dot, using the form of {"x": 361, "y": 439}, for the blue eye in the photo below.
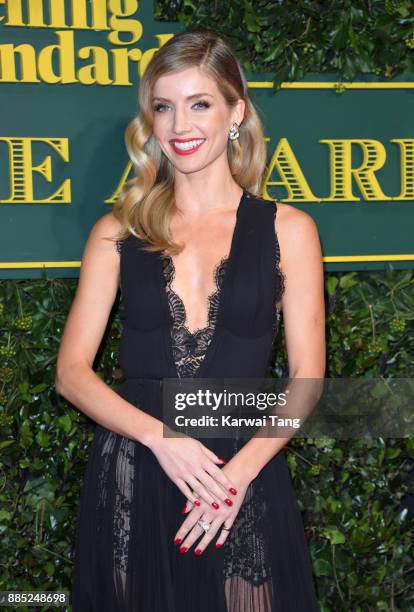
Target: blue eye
{"x": 158, "y": 107}
{"x": 203, "y": 103}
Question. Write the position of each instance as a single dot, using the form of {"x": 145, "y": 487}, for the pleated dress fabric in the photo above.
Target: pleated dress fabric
{"x": 124, "y": 556}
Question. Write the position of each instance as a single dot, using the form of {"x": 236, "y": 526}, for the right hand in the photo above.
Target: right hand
{"x": 188, "y": 463}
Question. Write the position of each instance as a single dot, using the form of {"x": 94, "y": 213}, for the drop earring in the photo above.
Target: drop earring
{"x": 234, "y": 132}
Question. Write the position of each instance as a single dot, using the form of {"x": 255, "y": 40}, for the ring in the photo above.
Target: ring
{"x": 204, "y": 525}
{"x": 226, "y": 528}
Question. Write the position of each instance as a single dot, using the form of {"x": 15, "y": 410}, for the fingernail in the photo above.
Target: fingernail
{"x": 218, "y": 545}
{"x": 223, "y": 460}
{"x": 228, "y": 502}
{"x": 215, "y": 505}
{"x": 184, "y": 509}
{"x": 183, "y": 549}
{"x": 198, "y": 551}
{"x": 197, "y": 502}
{"x": 177, "y": 541}
{"x": 233, "y": 490}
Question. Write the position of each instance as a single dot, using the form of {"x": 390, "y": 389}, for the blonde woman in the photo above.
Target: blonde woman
{"x": 205, "y": 267}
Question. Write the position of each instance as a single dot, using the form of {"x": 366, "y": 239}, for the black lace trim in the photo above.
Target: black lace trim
{"x": 189, "y": 348}
{"x": 280, "y": 280}
{"x": 245, "y": 552}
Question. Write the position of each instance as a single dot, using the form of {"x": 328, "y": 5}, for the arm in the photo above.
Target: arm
{"x": 84, "y": 329}
{"x": 304, "y": 320}
{"x": 184, "y": 459}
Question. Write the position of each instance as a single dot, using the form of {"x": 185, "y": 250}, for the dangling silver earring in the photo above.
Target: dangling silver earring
{"x": 234, "y": 132}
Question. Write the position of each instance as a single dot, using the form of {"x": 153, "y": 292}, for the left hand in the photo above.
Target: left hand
{"x": 190, "y": 531}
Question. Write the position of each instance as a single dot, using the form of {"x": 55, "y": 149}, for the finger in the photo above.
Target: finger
{"x": 220, "y": 477}
{"x": 224, "y": 533}
{"x": 187, "y": 492}
{"x": 189, "y": 504}
{"x": 214, "y": 489}
{"x": 197, "y": 531}
{"x": 208, "y": 536}
{"x": 188, "y": 524}
{"x": 201, "y": 484}
{"x": 212, "y": 455}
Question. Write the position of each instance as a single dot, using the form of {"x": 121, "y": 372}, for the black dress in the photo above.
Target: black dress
{"x": 125, "y": 558}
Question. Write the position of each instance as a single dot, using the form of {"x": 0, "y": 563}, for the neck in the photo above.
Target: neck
{"x": 198, "y": 193}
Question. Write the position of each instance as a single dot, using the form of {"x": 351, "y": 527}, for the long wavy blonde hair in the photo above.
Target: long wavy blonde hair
{"x": 144, "y": 205}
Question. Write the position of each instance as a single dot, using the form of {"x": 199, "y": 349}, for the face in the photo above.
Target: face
{"x": 192, "y": 119}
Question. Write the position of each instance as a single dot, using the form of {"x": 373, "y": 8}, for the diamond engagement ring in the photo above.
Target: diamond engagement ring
{"x": 204, "y": 525}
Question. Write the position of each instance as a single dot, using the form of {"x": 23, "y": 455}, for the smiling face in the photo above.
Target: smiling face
{"x": 192, "y": 119}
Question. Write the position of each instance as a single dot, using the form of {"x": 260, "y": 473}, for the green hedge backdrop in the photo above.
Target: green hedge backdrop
{"x": 355, "y": 494}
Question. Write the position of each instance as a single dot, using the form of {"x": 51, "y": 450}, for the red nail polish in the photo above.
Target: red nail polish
{"x": 197, "y": 502}
{"x": 215, "y": 505}
{"x": 233, "y": 490}
{"x": 184, "y": 510}
{"x": 218, "y": 545}
{"x": 223, "y": 460}
{"x": 177, "y": 541}
{"x": 198, "y": 551}
{"x": 183, "y": 549}
{"x": 228, "y": 502}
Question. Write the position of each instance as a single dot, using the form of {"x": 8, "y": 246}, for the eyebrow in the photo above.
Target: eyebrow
{"x": 197, "y": 95}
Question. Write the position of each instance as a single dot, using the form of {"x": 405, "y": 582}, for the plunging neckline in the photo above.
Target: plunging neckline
{"x": 219, "y": 289}
{"x": 210, "y": 298}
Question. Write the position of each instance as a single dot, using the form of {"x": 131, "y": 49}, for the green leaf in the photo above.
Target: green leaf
{"x": 340, "y": 35}
{"x": 5, "y": 515}
{"x": 6, "y": 443}
{"x": 331, "y": 284}
{"x": 23, "y": 387}
{"x": 39, "y": 388}
{"x": 347, "y": 281}
{"x": 66, "y": 422}
{"x": 274, "y": 53}
{"x": 43, "y": 439}
{"x": 321, "y": 567}
{"x": 334, "y": 535}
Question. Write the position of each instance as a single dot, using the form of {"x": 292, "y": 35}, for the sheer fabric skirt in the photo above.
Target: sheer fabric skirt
{"x": 125, "y": 559}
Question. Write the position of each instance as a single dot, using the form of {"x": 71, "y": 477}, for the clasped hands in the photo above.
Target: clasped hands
{"x": 223, "y": 516}
{"x": 214, "y": 494}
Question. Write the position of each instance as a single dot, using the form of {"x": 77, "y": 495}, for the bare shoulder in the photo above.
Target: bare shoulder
{"x": 105, "y": 227}
{"x": 100, "y": 257}
{"x": 296, "y": 230}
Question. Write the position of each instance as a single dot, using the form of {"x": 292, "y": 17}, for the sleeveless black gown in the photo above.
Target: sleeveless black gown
{"x": 124, "y": 556}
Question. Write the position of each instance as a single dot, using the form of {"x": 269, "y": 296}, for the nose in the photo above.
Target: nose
{"x": 181, "y": 123}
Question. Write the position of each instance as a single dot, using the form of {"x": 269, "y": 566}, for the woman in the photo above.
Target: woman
{"x": 198, "y": 256}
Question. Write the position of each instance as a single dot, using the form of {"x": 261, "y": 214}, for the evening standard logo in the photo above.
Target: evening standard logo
{"x": 117, "y": 61}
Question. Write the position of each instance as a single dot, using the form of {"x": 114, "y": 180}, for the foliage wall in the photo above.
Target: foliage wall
{"x": 290, "y": 38}
{"x": 352, "y": 492}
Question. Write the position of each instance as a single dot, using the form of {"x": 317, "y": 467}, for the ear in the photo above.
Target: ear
{"x": 238, "y": 111}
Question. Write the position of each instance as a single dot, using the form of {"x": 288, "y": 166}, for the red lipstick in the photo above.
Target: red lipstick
{"x": 180, "y": 151}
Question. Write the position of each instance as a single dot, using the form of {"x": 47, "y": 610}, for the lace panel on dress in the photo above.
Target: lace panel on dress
{"x": 189, "y": 348}
{"x": 280, "y": 280}
{"x": 124, "y": 451}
